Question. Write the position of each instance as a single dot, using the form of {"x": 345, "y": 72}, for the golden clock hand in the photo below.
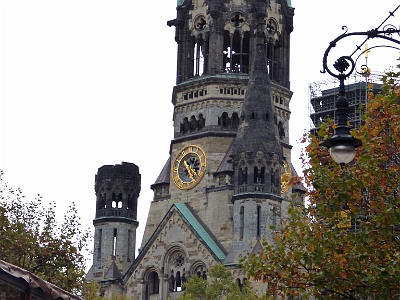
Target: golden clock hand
{"x": 193, "y": 171}
{"x": 188, "y": 169}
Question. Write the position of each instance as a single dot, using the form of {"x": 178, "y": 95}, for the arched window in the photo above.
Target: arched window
{"x": 185, "y": 125}
{"x": 178, "y": 282}
{"x": 199, "y": 59}
{"x": 175, "y": 262}
{"x": 153, "y": 283}
{"x": 272, "y": 177}
{"x": 241, "y": 223}
{"x": 258, "y": 220}
{"x": 281, "y": 130}
{"x": 236, "y": 46}
{"x": 243, "y": 175}
{"x": 199, "y": 269}
{"x": 171, "y": 282}
{"x": 193, "y": 123}
{"x": 204, "y": 275}
{"x": 224, "y": 120}
{"x": 235, "y": 120}
{"x": 259, "y": 174}
{"x": 99, "y": 241}
{"x": 201, "y": 122}
{"x": 129, "y": 247}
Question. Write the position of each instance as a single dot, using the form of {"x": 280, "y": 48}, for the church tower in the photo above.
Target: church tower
{"x": 117, "y": 190}
{"x": 217, "y": 42}
{"x": 225, "y": 185}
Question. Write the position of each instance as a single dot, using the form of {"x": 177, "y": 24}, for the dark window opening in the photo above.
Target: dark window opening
{"x": 153, "y": 283}
{"x": 204, "y": 276}
{"x": 228, "y": 122}
{"x": 185, "y": 125}
{"x": 243, "y": 175}
{"x": 104, "y": 199}
{"x": 259, "y": 175}
{"x": 171, "y": 283}
{"x": 224, "y": 120}
{"x": 99, "y": 239}
{"x": 281, "y": 130}
{"x": 201, "y": 122}
{"x": 273, "y": 178}
{"x": 128, "y": 250}
{"x": 192, "y": 124}
{"x": 258, "y": 220}
{"x": 178, "y": 282}
{"x": 235, "y": 120}
{"x": 241, "y": 224}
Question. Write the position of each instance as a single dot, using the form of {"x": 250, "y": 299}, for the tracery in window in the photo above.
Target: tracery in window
{"x": 236, "y": 44}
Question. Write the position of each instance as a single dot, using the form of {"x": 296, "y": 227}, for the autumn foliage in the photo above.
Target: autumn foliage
{"x": 33, "y": 239}
{"x": 345, "y": 243}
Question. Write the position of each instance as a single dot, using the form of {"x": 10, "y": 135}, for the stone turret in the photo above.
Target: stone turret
{"x": 117, "y": 190}
{"x": 257, "y": 159}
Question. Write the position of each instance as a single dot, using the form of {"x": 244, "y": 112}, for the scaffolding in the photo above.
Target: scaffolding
{"x": 324, "y": 94}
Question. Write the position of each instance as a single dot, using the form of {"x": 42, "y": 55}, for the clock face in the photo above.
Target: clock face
{"x": 189, "y": 167}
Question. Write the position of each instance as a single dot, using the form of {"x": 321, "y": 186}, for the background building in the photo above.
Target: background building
{"x": 323, "y": 96}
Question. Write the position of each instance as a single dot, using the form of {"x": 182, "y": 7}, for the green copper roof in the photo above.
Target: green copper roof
{"x": 192, "y": 220}
{"x": 289, "y": 3}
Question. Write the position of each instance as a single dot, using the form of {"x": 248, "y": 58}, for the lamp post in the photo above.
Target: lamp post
{"x": 342, "y": 144}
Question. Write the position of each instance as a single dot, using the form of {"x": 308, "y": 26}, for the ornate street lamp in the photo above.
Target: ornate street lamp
{"x": 342, "y": 144}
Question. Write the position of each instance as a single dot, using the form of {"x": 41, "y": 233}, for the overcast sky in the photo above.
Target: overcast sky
{"x": 86, "y": 83}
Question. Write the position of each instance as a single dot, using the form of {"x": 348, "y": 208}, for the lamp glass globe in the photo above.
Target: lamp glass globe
{"x": 343, "y": 154}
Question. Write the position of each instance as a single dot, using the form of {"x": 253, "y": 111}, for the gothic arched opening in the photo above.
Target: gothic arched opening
{"x": 154, "y": 283}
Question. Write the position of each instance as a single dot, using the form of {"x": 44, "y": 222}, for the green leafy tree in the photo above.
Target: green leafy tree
{"x": 221, "y": 285}
{"x": 32, "y": 239}
{"x": 345, "y": 244}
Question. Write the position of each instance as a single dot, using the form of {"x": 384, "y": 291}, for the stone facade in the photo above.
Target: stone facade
{"x": 224, "y": 184}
